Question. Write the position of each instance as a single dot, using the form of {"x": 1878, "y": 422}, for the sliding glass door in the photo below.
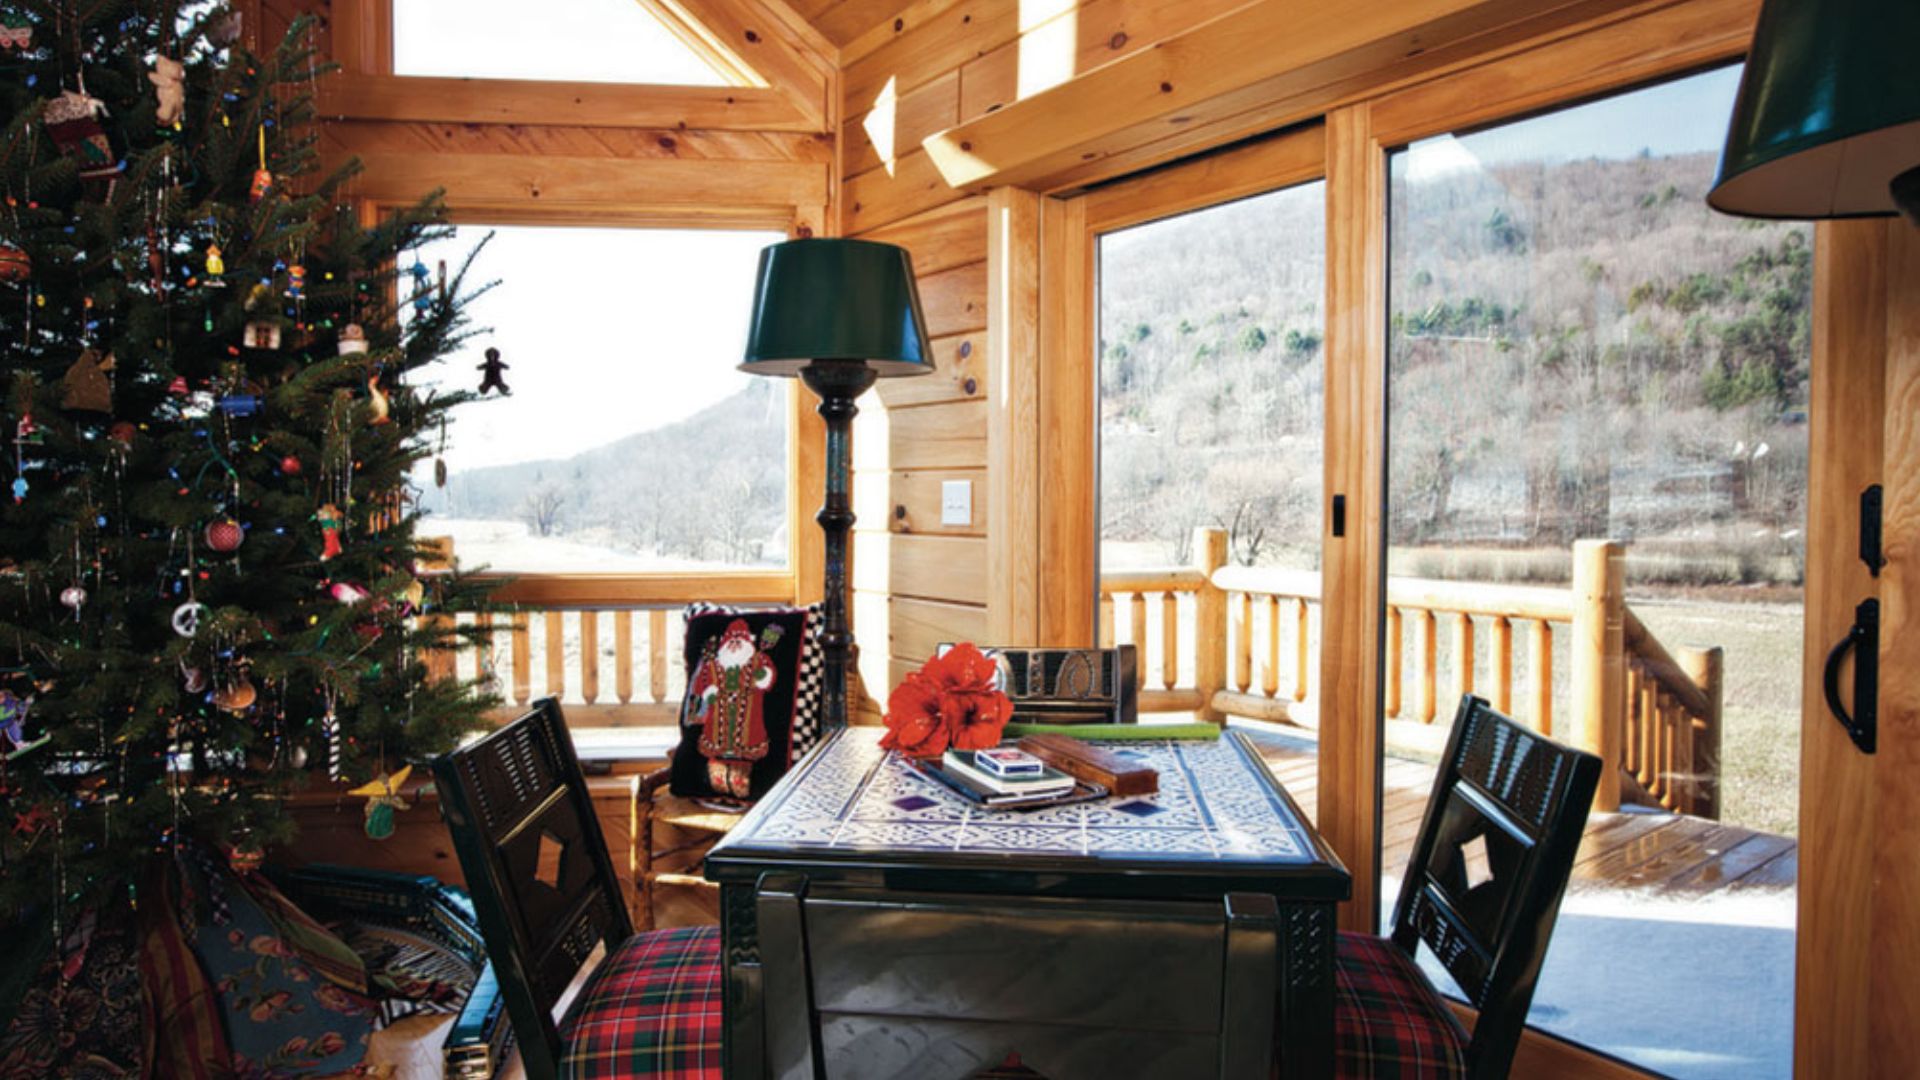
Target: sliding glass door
{"x": 1597, "y": 477}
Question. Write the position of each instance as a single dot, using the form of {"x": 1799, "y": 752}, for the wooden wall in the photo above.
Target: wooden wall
{"x": 905, "y": 75}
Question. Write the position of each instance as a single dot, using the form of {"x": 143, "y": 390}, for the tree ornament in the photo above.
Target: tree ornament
{"x": 74, "y": 598}
{"x": 379, "y": 409}
{"x": 262, "y": 334}
{"x": 296, "y": 281}
{"x": 192, "y": 679}
{"x": 16, "y": 33}
{"x": 15, "y": 264}
{"x": 169, "y": 86}
{"x": 331, "y": 522}
{"x": 347, "y": 592}
{"x": 262, "y": 177}
{"x": 237, "y": 697}
{"x": 245, "y": 855}
{"x": 13, "y": 718}
{"x": 73, "y": 122}
{"x": 216, "y": 267}
{"x": 290, "y": 466}
{"x": 226, "y": 29}
{"x": 492, "y": 369}
{"x": 353, "y": 339}
{"x": 123, "y": 432}
{"x": 187, "y": 618}
{"x": 383, "y": 801}
{"x": 298, "y": 756}
{"x": 225, "y": 535}
{"x": 85, "y": 388}
{"x": 422, "y": 286}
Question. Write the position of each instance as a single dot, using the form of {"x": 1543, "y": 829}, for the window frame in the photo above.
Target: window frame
{"x": 777, "y": 85}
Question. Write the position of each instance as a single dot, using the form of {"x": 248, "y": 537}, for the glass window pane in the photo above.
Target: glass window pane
{"x": 614, "y": 41}
{"x": 629, "y": 442}
{"x": 1580, "y": 350}
{"x": 1212, "y": 386}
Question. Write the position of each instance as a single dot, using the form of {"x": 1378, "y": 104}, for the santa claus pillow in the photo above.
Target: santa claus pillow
{"x": 752, "y": 706}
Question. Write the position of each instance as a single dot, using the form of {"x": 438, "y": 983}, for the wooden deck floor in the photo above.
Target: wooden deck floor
{"x": 1661, "y": 852}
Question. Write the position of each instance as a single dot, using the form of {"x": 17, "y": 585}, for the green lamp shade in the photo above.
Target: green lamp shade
{"x": 837, "y": 300}
{"x": 1828, "y": 113}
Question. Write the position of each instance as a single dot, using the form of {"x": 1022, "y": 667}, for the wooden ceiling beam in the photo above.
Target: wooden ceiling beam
{"x": 433, "y": 99}
{"x": 749, "y": 38}
{"x": 1271, "y": 51}
{"x": 559, "y": 182}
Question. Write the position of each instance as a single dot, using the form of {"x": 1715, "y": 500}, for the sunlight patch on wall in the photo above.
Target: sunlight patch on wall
{"x": 1049, "y": 45}
{"x": 879, "y": 124}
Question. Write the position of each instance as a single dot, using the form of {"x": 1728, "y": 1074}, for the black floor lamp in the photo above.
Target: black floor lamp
{"x": 838, "y": 314}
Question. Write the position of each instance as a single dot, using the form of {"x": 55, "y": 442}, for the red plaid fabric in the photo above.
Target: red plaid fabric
{"x": 1389, "y": 1023}
{"x": 652, "y": 1010}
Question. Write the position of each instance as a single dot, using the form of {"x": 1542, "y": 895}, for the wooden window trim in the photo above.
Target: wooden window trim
{"x": 803, "y": 579}
{"x": 781, "y": 76}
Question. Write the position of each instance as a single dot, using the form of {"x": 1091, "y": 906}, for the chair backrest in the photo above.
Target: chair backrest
{"x": 873, "y": 985}
{"x": 1071, "y": 686}
{"x": 536, "y": 863}
{"x": 1495, "y": 850}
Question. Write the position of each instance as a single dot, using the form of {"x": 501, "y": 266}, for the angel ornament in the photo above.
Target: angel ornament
{"x": 169, "y": 86}
{"x": 383, "y": 801}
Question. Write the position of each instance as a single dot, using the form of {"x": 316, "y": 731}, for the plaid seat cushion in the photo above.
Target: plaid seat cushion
{"x": 651, "y": 1010}
{"x": 1389, "y": 1023}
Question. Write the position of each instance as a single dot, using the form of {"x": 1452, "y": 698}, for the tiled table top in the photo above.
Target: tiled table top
{"x": 1216, "y": 804}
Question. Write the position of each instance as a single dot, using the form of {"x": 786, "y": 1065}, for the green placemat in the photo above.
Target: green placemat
{"x": 1116, "y": 732}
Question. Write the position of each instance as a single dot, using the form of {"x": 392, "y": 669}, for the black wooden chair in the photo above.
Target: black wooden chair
{"x": 1482, "y": 890}
{"x": 547, "y": 899}
{"x": 945, "y": 988}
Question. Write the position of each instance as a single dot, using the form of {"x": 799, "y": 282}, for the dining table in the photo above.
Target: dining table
{"x": 855, "y": 816}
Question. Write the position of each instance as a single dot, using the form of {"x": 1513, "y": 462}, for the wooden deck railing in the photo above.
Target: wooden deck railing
{"x": 608, "y": 646}
{"x": 1226, "y": 640}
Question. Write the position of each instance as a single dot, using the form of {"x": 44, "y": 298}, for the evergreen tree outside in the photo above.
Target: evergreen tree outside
{"x": 211, "y": 592}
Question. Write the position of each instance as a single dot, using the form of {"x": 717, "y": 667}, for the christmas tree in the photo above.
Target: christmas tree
{"x": 211, "y": 592}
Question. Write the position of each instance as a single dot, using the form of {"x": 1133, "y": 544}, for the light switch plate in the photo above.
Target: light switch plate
{"x": 956, "y": 502}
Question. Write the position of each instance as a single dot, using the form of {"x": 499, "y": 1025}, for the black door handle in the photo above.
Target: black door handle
{"x": 1863, "y": 641}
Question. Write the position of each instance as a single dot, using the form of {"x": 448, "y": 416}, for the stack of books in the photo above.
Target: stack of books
{"x": 1001, "y": 777}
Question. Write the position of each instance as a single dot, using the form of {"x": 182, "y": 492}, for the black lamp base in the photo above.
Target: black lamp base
{"x": 837, "y": 383}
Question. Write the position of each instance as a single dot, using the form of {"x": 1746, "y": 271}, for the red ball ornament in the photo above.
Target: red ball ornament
{"x": 15, "y": 265}
{"x": 122, "y": 432}
{"x": 290, "y": 465}
{"x": 225, "y": 535}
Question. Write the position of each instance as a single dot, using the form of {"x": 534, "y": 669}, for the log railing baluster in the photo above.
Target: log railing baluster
{"x": 623, "y": 656}
{"x": 1270, "y": 678}
{"x": 1243, "y": 641}
{"x": 1501, "y": 660}
{"x": 1429, "y": 657}
{"x": 1302, "y": 648}
{"x": 657, "y": 654}
{"x": 589, "y": 656}
{"x": 1169, "y": 639}
{"x": 1393, "y": 662}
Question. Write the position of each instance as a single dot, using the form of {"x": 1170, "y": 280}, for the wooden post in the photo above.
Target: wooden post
{"x": 1210, "y": 623}
{"x": 623, "y": 656}
{"x": 1270, "y": 680}
{"x": 1599, "y": 660}
{"x": 1301, "y": 637}
{"x": 1707, "y": 669}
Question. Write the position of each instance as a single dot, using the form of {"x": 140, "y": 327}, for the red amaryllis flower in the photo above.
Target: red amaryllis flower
{"x": 950, "y": 701}
{"x": 915, "y": 726}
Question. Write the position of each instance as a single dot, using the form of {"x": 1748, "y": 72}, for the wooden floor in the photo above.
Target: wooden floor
{"x": 1664, "y": 853}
